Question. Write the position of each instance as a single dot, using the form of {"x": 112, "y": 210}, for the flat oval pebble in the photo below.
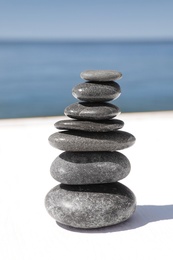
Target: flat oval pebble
{"x": 101, "y": 75}
{"x": 90, "y": 206}
{"x": 91, "y": 111}
{"x": 97, "y": 91}
{"x": 75, "y": 141}
{"x": 90, "y": 167}
{"x": 90, "y": 126}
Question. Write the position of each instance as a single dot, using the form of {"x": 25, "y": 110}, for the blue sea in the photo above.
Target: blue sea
{"x": 36, "y": 78}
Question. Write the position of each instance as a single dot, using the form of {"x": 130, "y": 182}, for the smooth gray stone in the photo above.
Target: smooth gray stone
{"x": 92, "y": 111}
{"x": 90, "y": 206}
{"x": 97, "y": 91}
{"x": 101, "y": 75}
{"x": 80, "y": 141}
{"x": 90, "y": 167}
{"x": 90, "y": 126}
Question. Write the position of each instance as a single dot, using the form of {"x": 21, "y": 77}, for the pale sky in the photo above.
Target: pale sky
{"x": 86, "y": 19}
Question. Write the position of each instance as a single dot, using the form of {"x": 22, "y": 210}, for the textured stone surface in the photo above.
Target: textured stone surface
{"x": 90, "y": 206}
{"x": 91, "y": 141}
{"x": 90, "y": 167}
{"x": 100, "y": 75}
{"x": 91, "y": 111}
{"x": 97, "y": 91}
{"x": 90, "y": 126}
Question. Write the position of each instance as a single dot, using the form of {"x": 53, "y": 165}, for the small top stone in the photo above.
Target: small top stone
{"x": 101, "y": 75}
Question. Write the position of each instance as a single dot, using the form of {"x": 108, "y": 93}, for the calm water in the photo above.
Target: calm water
{"x": 36, "y": 78}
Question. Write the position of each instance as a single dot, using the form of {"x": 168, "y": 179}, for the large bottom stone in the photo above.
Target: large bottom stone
{"x": 90, "y": 206}
{"x": 90, "y": 167}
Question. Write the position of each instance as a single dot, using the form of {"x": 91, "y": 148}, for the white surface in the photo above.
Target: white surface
{"x": 28, "y": 232}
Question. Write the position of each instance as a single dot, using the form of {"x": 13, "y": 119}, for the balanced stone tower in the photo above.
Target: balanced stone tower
{"x": 90, "y": 195}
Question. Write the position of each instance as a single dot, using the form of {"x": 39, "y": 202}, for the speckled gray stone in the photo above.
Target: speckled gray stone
{"x": 90, "y": 167}
{"x": 80, "y": 141}
{"x": 97, "y": 91}
{"x": 92, "y": 111}
{"x": 90, "y": 126}
{"x": 90, "y": 206}
{"x": 100, "y": 75}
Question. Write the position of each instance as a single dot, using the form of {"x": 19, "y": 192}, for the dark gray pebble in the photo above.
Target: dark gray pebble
{"x": 76, "y": 141}
{"x": 90, "y": 206}
{"x": 100, "y": 75}
{"x": 97, "y": 91}
{"x": 91, "y": 111}
{"x": 90, "y": 126}
{"x": 90, "y": 167}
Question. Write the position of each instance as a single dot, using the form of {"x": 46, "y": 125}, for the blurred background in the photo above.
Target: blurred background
{"x": 45, "y": 44}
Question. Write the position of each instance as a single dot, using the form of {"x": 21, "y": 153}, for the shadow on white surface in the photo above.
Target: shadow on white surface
{"x": 143, "y": 215}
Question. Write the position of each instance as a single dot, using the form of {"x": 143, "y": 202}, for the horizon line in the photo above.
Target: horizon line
{"x": 83, "y": 40}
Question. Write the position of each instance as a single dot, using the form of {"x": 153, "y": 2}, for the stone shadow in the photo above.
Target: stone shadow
{"x": 143, "y": 215}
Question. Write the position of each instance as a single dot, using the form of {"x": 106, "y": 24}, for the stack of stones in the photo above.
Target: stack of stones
{"x": 90, "y": 195}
